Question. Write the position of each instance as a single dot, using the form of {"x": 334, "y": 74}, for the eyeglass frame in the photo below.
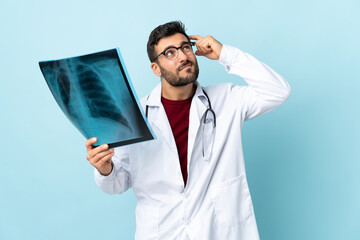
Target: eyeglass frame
{"x": 177, "y": 50}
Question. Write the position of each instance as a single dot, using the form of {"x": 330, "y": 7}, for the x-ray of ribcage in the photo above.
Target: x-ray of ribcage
{"x": 96, "y": 95}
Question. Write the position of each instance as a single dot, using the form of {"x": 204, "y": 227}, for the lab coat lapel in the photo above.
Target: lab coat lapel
{"x": 162, "y": 123}
{"x": 158, "y": 117}
{"x": 197, "y": 110}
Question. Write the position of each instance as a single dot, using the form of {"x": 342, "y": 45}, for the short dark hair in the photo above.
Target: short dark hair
{"x": 165, "y": 30}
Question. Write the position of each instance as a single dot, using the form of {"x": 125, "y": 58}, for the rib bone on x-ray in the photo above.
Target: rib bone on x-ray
{"x": 95, "y": 93}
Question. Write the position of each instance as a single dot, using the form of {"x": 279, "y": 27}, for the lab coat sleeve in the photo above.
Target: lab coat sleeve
{"x": 119, "y": 179}
{"x": 266, "y": 89}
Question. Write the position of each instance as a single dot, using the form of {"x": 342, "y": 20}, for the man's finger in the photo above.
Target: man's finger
{"x": 104, "y": 159}
{"x": 89, "y": 143}
{"x": 100, "y": 164}
{"x": 198, "y": 53}
{"x": 204, "y": 49}
{"x": 97, "y": 150}
{"x": 99, "y": 156}
{"x": 195, "y": 37}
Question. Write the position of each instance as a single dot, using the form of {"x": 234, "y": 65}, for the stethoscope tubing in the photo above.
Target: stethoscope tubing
{"x": 209, "y": 109}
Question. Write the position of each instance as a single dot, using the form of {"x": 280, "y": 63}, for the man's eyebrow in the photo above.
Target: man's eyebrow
{"x": 170, "y": 46}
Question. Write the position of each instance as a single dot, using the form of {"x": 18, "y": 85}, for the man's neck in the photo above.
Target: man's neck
{"x": 177, "y": 93}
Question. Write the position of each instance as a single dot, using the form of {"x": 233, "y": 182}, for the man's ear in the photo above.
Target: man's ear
{"x": 156, "y": 69}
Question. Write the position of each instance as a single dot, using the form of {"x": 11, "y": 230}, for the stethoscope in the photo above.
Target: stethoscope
{"x": 206, "y": 154}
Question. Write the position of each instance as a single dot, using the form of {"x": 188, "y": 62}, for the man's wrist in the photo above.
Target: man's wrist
{"x": 111, "y": 169}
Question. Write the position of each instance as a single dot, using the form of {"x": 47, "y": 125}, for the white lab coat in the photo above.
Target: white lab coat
{"x": 216, "y": 202}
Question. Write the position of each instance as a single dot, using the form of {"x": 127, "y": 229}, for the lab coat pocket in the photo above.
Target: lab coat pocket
{"x": 232, "y": 202}
{"x": 147, "y": 222}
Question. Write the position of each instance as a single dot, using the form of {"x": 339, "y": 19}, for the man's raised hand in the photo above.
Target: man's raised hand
{"x": 207, "y": 46}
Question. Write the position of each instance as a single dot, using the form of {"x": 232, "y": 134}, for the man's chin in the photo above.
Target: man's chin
{"x": 183, "y": 81}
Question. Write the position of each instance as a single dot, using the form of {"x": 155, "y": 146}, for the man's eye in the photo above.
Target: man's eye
{"x": 186, "y": 47}
{"x": 170, "y": 52}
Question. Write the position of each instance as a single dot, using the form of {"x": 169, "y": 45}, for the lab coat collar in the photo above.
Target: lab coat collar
{"x": 199, "y": 93}
{"x": 154, "y": 99}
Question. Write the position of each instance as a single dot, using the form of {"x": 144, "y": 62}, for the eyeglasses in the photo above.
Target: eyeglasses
{"x": 172, "y": 53}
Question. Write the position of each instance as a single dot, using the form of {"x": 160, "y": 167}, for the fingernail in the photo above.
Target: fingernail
{"x": 105, "y": 146}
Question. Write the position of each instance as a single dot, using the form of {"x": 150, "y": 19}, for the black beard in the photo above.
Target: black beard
{"x": 181, "y": 81}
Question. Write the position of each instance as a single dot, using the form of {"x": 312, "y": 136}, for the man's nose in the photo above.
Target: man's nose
{"x": 182, "y": 56}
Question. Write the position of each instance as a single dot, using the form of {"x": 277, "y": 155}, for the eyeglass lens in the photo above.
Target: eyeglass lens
{"x": 172, "y": 52}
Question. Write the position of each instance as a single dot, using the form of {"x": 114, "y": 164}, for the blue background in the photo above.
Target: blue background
{"x": 302, "y": 159}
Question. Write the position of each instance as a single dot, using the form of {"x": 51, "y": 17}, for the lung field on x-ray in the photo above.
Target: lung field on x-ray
{"x": 63, "y": 85}
{"x": 97, "y": 98}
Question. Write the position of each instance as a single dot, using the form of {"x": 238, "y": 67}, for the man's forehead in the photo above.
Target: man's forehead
{"x": 174, "y": 40}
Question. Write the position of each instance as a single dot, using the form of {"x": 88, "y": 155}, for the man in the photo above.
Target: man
{"x": 190, "y": 182}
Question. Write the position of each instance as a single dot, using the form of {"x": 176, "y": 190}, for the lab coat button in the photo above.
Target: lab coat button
{"x": 187, "y": 195}
{"x": 187, "y": 223}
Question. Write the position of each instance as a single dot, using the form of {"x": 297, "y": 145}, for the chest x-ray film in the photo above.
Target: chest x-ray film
{"x": 95, "y": 93}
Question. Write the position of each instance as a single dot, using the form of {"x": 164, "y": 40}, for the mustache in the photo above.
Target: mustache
{"x": 184, "y": 64}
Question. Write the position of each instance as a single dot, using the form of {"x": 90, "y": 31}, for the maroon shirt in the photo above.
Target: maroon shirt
{"x": 178, "y": 114}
